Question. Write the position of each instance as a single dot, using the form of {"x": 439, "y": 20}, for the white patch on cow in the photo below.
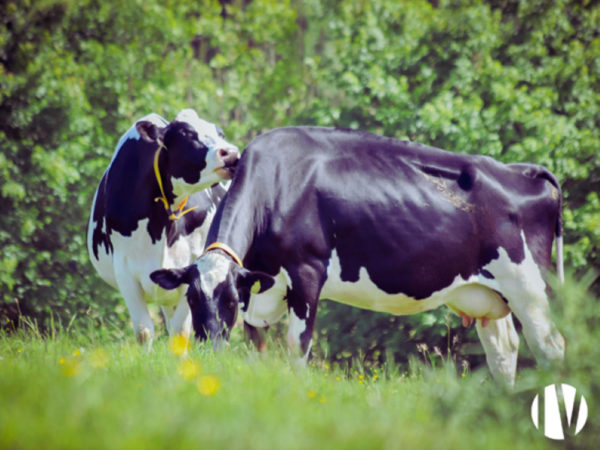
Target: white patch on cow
{"x": 296, "y": 327}
{"x": 267, "y": 308}
{"x": 524, "y": 288}
{"x": 213, "y": 268}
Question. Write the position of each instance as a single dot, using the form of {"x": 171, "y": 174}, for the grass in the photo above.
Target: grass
{"x": 90, "y": 390}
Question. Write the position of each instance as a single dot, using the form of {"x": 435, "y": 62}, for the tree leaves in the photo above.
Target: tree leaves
{"x": 519, "y": 81}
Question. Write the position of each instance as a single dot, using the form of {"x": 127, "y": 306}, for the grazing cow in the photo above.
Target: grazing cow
{"x": 381, "y": 224}
{"x": 152, "y": 210}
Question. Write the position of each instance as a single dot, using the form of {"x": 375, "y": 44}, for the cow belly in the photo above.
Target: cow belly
{"x": 470, "y": 297}
{"x": 363, "y": 293}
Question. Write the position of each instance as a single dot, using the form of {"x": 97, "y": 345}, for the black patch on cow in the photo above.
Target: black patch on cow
{"x": 487, "y": 274}
{"x": 466, "y": 178}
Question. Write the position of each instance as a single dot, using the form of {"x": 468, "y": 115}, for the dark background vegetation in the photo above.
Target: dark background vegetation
{"x": 519, "y": 81}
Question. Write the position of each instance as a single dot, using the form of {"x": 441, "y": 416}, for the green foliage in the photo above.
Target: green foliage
{"x": 519, "y": 81}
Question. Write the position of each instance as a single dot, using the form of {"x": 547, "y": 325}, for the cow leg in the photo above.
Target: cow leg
{"x": 181, "y": 320}
{"x": 131, "y": 290}
{"x": 501, "y": 344}
{"x": 302, "y": 307}
{"x": 258, "y": 336}
{"x": 544, "y": 340}
{"x": 168, "y": 312}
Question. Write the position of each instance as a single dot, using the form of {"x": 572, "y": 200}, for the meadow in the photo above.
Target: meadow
{"x": 97, "y": 388}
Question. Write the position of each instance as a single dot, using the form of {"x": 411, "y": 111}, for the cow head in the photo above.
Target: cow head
{"x": 198, "y": 154}
{"x": 216, "y": 286}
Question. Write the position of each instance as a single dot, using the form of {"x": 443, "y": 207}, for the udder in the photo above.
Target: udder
{"x": 475, "y": 301}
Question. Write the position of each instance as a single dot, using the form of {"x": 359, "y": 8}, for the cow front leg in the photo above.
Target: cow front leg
{"x": 143, "y": 324}
{"x": 302, "y": 307}
{"x": 258, "y": 336}
{"x": 501, "y": 344}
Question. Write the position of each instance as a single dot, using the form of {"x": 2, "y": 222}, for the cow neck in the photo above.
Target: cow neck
{"x": 233, "y": 227}
{"x": 163, "y": 198}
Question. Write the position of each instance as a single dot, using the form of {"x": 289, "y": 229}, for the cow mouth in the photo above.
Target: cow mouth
{"x": 228, "y": 169}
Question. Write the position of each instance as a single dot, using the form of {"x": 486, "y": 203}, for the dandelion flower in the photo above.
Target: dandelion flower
{"x": 208, "y": 385}
{"x": 179, "y": 345}
{"x": 311, "y": 394}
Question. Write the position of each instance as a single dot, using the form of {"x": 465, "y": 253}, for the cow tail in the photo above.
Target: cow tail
{"x": 560, "y": 268}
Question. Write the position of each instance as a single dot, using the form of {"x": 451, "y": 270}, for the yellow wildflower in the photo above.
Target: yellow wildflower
{"x": 179, "y": 345}
{"x": 209, "y": 385}
{"x": 311, "y": 394}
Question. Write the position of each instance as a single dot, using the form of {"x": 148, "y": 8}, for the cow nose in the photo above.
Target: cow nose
{"x": 228, "y": 156}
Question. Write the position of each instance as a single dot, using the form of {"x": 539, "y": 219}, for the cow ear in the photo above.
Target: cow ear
{"x": 148, "y": 131}
{"x": 254, "y": 281}
{"x": 173, "y": 278}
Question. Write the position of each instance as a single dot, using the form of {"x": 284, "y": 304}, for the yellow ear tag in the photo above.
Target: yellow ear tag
{"x": 255, "y": 289}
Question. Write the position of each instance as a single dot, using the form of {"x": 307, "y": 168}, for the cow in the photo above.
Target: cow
{"x": 381, "y": 224}
{"x": 152, "y": 209}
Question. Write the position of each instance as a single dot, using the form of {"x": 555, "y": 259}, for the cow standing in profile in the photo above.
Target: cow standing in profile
{"x": 385, "y": 225}
{"x": 152, "y": 210}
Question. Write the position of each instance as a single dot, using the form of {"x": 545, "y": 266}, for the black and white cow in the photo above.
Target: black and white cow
{"x": 152, "y": 210}
{"x": 381, "y": 224}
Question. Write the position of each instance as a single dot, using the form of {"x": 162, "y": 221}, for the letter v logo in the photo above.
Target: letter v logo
{"x": 560, "y": 412}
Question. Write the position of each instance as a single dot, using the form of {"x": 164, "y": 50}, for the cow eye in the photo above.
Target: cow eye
{"x": 220, "y": 132}
{"x": 187, "y": 133}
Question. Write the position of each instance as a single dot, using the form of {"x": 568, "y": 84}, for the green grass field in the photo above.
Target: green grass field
{"x": 90, "y": 389}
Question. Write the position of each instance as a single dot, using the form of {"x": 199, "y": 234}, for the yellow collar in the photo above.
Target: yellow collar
{"x": 227, "y": 249}
{"x": 180, "y": 213}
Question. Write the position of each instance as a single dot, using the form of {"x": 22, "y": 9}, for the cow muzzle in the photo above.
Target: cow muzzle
{"x": 227, "y": 159}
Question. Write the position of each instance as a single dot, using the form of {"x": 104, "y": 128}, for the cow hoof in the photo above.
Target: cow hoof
{"x": 144, "y": 336}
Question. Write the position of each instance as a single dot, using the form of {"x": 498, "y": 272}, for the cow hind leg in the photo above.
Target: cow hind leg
{"x": 501, "y": 344}
{"x": 542, "y": 337}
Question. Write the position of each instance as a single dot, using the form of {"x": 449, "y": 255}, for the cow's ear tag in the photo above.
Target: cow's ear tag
{"x": 255, "y": 289}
